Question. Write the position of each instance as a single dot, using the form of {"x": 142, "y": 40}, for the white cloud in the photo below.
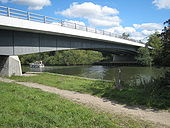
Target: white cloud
{"x": 138, "y": 36}
{"x": 76, "y": 22}
{"x": 162, "y": 4}
{"x": 129, "y": 30}
{"x": 105, "y": 21}
{"x": 148, "y": 26}
{"x": 32, "y": 4}
{"x": 116, "y": 30}
{"x": 4, "y": 1}
{"x": 146, "y": 29}
{"x": 71, "y": 24}
{"x": 109, "y": 11}
{"x": 138, "y": 31}
{"x": 147, "y": 33}
{"x": 119, "y": 30}
{"x": 95, "y": 14}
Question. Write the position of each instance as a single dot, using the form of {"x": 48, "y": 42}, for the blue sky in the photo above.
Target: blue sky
{"x": 139, "y": 18}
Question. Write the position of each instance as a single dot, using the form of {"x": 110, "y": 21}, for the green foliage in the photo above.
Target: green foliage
{"x": 157, "y": 47}
{"x": 144, "y": 57}
{"x": 154, "y": 40}
{"x": 68, "y": 57}
{"x": 165, "y": 35}
{"x": 125, "y": 35}
{"x": 26, "y": 59}
{"x": 160, "y": 54}
{"x": 158, "y": 91}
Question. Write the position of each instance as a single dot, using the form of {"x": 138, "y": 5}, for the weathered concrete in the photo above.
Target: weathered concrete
{"x": 10, "y": 65}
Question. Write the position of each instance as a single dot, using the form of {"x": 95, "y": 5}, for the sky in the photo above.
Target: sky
{"x": 138, "y": 18}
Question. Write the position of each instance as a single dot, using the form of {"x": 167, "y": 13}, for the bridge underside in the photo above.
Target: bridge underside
{"x": 13, "y": 43}
{"x": 19, "y": 43}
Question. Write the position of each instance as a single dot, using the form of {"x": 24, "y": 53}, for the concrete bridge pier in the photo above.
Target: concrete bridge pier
{"x": 124, "y": 59}
{"x": 10, "y": 65}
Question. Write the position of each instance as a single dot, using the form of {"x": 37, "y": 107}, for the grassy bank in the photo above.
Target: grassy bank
{"x": 22, "y": 107}
{"x": 129, "y": 95}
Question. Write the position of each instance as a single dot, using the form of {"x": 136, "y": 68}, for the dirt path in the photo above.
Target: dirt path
{"x": 158, "y": 117}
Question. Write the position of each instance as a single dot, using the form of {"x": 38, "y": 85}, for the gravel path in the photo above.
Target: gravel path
{"x": 158, "y": 117}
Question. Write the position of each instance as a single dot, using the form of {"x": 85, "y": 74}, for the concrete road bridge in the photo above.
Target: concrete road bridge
{"x": 24, "y": 32}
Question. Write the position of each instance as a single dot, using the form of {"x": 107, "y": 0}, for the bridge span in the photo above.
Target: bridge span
{"x": 24, "y": 33}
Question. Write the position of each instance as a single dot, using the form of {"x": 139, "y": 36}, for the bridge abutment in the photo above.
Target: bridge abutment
{"x": 10, "y": 65}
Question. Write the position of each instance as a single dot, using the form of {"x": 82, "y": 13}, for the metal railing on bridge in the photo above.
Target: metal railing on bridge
{"x": 11, "y": 12}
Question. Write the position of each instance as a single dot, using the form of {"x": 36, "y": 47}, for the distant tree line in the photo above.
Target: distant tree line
{"x": 66, "y": 57}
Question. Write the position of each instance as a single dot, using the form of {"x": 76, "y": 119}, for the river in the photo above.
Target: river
{"x": 128, "y": 73}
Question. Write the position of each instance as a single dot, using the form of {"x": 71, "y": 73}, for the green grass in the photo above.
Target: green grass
{"x": 23, "y": 107}
{"x": 129, "y": 95}
{"x": 65, "y": 82}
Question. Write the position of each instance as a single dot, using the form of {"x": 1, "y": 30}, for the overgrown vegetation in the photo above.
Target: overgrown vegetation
{"x": 153, "y": 94}
{"x": 144, "y": 57}
{"x": 67, "y": 57}
{"x": 159, "y": 53}
{"x": 155, "y": 42}
{"x": 23, "y": 107}
{"x": 157, "y": 89}
{"x": 165, "y": 36}
{"x": 152, "y": 54}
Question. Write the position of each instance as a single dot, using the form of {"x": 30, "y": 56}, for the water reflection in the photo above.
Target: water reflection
{"x": 103, "y": 72}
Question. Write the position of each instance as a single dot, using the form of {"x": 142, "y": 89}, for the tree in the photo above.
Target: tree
{"x": 144, "y": 57}
{"x": 125, "y": 35}
{"x": 165, "y": 35}
{"x": 67, "y": 57}
{"x": 157, "y": 47}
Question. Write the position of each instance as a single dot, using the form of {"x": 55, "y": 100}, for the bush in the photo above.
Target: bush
{"x": 157, "y": 91}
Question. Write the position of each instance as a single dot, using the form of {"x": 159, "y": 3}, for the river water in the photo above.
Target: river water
{"x": 104, "y": 72}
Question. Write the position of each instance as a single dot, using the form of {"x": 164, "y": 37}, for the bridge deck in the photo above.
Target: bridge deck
{"x": 15, "y": 19}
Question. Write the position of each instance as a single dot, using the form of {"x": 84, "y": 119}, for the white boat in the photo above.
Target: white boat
{"x": 37, "y": 64}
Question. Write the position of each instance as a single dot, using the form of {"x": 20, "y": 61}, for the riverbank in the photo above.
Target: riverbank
{"x": 27, "y": 107}
{"x": 23, "y": 107}
{"x": 130, "y": 95}
{"x": 33, "y": 108}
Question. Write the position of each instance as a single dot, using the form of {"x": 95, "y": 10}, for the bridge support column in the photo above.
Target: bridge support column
{"x": 124, "y": 59}
{"x": 10, "y": 65}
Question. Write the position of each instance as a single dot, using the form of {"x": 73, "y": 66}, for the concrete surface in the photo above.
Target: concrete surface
{"x": 10, "y": 65}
